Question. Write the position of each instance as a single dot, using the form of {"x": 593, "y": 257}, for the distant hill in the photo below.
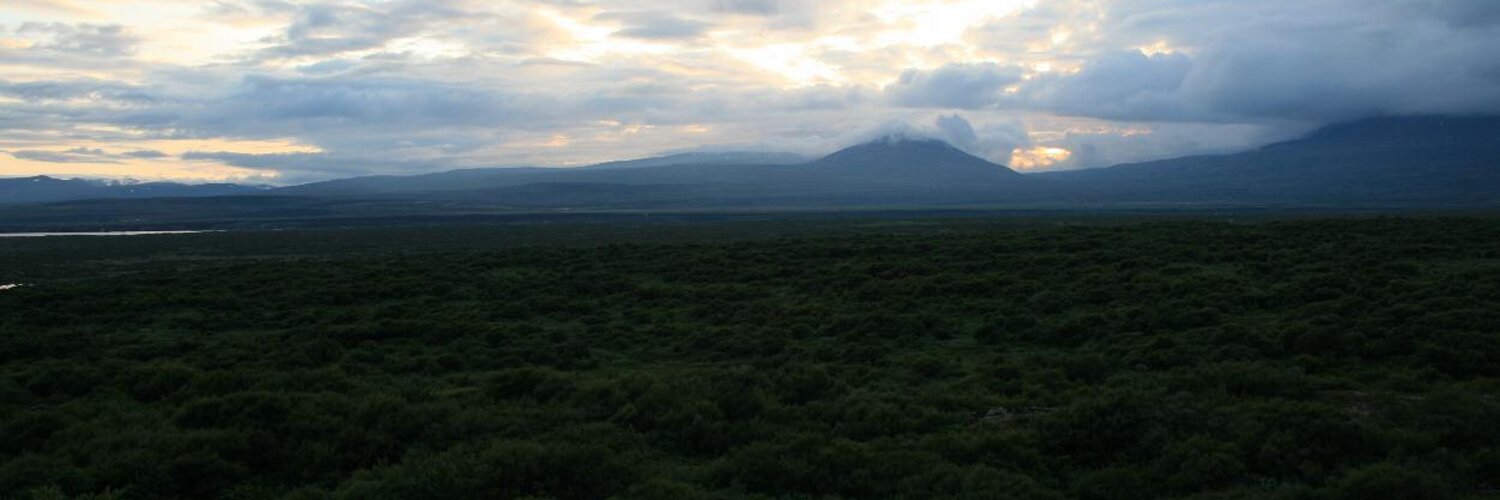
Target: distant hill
{"x": 1450, "y": 161}
{"x": 485, "y": 179}
{"x": 706, "y": 158}
{"x": 1377, "y": 163}
{"x": 384, "y": 185}
{"x": 475, "y": 182}
{"x": 1380, "y": 161}
{"x": 924, "y": 163}
{"x": 894, "y": 166}
{"x": 44, "y": 189}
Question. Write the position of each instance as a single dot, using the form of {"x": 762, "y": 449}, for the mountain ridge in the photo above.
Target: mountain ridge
{"x": 1429, "y": 159}
{"x": 1378, "y": 161}
{"x": 918, "y": 164}
{"x": 46, "y": 188}
{"x": 705, "y": 158}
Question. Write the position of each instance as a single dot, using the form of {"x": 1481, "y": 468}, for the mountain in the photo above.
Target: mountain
{"x": 916, "y": 163}
{"x": 1382, "y": 163}
{"x": 895, "y": 168}
{"x": 384, "y": 185}
{"x": 1378, "y": 161}
{"x": 706, "y": 158}
{"x": 44, "y": 189}
{"x": 457, "y": 182}
{"x": 495, "y": 178}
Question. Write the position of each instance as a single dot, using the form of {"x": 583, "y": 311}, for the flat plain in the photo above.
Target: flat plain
{"x": 1354, "y": 357}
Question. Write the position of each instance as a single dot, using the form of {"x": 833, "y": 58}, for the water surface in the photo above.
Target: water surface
{"x": 102, "y": 233}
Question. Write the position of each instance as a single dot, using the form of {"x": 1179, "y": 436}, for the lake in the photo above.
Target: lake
{"x": 103, "y": 233}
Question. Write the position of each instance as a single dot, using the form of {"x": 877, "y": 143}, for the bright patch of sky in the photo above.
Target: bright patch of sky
{"x": 286, "y": 91}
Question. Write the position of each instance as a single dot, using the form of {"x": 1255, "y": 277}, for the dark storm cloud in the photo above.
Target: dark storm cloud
{"x": 1116, "y": 85}
{"x": 1350, "y": 77}
{"x": 962, "y": 86}
{"x": 1271, "y": 60}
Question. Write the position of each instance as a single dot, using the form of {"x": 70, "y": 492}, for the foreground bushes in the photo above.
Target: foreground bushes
{"x": 1312, "y": 359}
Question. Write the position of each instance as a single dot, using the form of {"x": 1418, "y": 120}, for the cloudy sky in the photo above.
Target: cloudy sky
{"x": 285, "y": 91}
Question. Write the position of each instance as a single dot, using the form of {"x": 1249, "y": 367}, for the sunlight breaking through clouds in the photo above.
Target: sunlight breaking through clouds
{"x": 403, "y": 86}
{"x": 791, "y": 62}
{"x": 1037, "y": 158}
{"x": 930, "y": 23}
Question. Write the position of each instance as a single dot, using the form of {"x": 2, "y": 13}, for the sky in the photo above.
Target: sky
{"x": 283, "y": 92}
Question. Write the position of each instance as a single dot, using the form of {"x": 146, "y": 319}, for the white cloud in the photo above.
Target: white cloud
{"x": 409, "y": 85}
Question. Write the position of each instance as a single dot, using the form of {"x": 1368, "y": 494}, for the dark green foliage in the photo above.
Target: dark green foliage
{"x": 1386, "y": 481}
{"x": 502, "y": 469}
{"x": 1332, "y": 359}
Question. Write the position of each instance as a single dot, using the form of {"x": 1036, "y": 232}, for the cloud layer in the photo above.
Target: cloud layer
{"x": 290, "y": 91}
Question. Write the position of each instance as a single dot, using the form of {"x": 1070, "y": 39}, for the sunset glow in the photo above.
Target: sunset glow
{"x": 1038, "y": 158}
{"x": 305, "y": 90}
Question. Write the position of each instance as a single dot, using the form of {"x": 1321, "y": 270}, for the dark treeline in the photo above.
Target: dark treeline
{"x": 1337, "y": 359}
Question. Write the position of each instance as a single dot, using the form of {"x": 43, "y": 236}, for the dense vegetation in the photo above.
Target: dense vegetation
{"x": 1340, "y": 359}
